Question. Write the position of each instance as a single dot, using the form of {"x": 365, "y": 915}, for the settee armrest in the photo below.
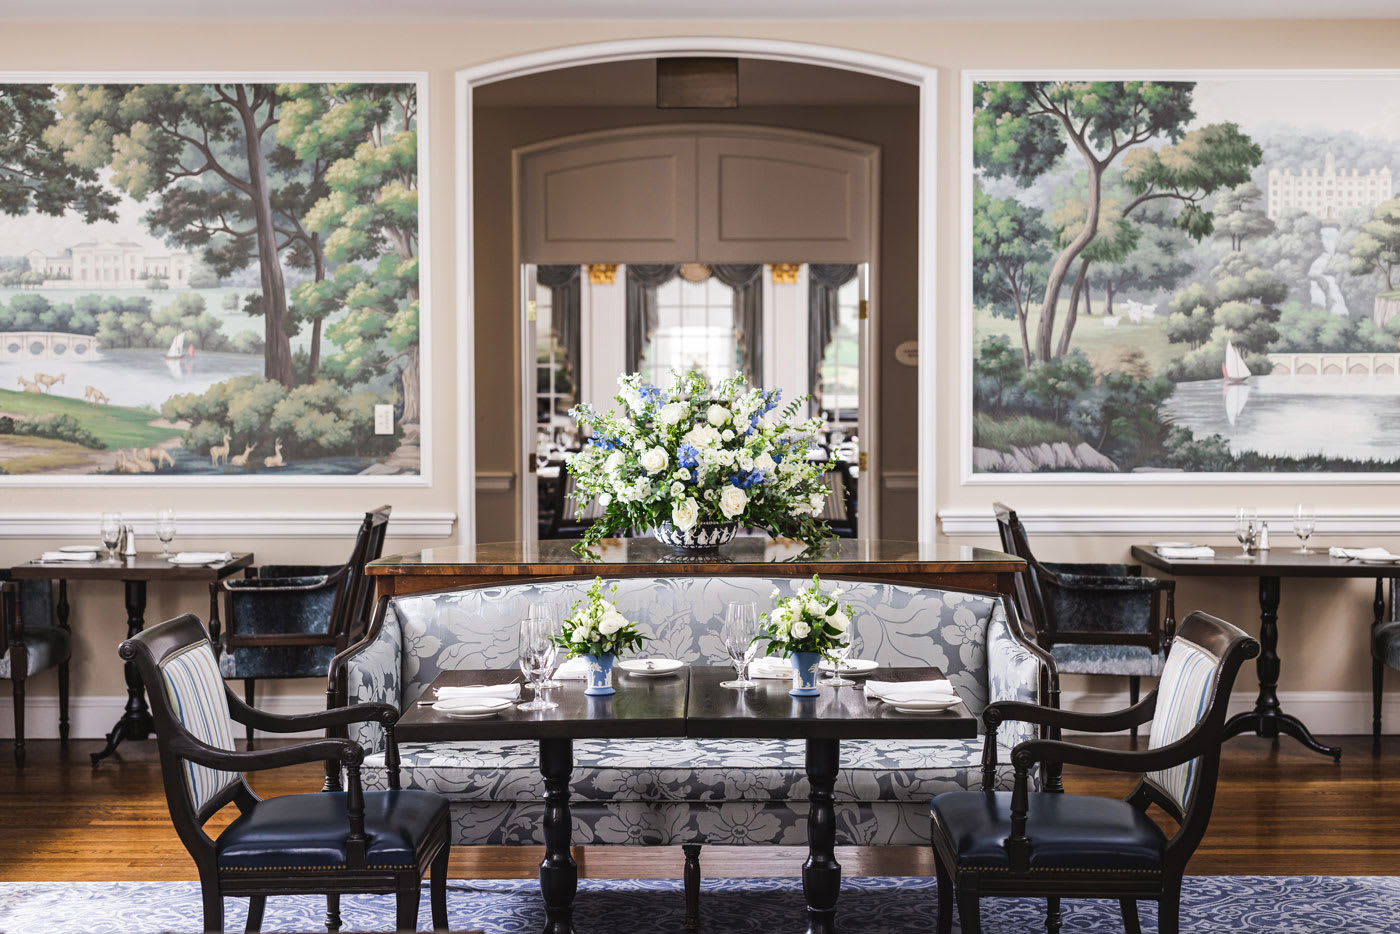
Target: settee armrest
{"x": 369, "y": 672}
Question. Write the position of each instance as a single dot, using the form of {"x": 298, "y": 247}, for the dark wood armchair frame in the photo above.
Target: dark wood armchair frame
{"x": 12, "y": 643}
{"x": 145, "y": 651}
{"x": 1233, "y": 647}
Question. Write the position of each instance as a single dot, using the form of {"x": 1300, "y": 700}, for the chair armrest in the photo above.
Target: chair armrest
{"x": 1136, "y": 715}
{"x": 267, "y": 571}
{"x": 342, "y": 751}
{"x": 383, "y": 714}
{"x": 1109, "y": 583}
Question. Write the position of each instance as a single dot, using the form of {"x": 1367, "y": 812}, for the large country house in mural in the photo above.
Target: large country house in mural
{"x": 1196, "y": 276}
{"x": 210, "y": 279}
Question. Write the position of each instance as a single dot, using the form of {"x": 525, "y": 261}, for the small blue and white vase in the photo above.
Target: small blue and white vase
{"x": 804, "y": 674}
{"x": 599, "y": 674}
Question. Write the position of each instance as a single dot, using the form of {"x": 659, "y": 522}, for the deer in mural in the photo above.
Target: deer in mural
{"x": 241, "y": 460}
{"x": 275, "y": 459}
{"x": 219, "y": 452}
{"x": 29, "y": 386}
{"x": 94, "y": 395}
{"x": 48, "y": 380}
{"x": 161, "y": 457}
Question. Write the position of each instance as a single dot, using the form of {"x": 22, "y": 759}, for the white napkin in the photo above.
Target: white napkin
{"x": 68, "y": 556}
{"x": 1193, "y": 551}
{"x": 575, "y": 669}
{"x": 200, "y": 557}
{"x": 770, "y": 666}
{"x": 482, "y": 692}
{"x": 1363, "y": 554}
{"x": 891, "y": 691}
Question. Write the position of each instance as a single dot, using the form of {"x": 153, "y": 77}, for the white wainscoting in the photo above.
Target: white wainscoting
{"x": 222, "y": 525}
{"x": 1147, "y": 524}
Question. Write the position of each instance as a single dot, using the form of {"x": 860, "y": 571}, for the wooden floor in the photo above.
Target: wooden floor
{"x": 1281, "y": 810}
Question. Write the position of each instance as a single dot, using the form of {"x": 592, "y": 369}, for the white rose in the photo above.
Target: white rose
{"x": 604, "y": 499}
{"x": 685, "y": 514}
{"x": 745, "y": 461}
{"x": 632, "y": 398}
{"x": 673, "y": 412}
{"x": 800, "y": 629}
{"x": 717, "y": 415}
{"x": 654, "y": 460}
{"x": 839, "y": 621}
{"x": 702, "y": 436}
{"x": 818, "y": 502}
{"x": 580, "y": 634}
{"x": 764, "y": 462}
{"x": 728, "y": 435}
{"x": 732, "y": 501}
{"x": 614, "y": 462}
{"x": 611, "y": 622}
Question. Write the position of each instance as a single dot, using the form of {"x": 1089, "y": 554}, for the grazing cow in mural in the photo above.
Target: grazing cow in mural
{"x": 94, "y": 395}
{"x": 48, "y": 380}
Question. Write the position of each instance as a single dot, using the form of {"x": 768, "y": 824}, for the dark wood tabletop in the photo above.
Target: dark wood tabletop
{"x": 141, "y": 567}
{"x": 769, "y": 712}
{"x": 641, "y": 707}
{"x": 1229, "y": 561}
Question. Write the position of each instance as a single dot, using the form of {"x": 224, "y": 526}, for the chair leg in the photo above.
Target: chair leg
{"x": 1052, "y": 916}
{"x": 1131, "y": 924}
{"x": 248, "y": 699}
{"x": 406, "y": 904}
{"x": 437, "y": 892}
{"x": 332, "y": 914}
{"x": 19, "y": 722}
{"x": 213, "y": 906}
{"x": 1134, "y": 690}
{"x": 692, "y": 885}
{"x": 945, "y": 896}
{"x": 256, "y": 904}
{"x": 969, "y": 910}
{"x": 1169, "y": 909}
{"x": 1377, "y": 682}
{"x": 63, "y": 702}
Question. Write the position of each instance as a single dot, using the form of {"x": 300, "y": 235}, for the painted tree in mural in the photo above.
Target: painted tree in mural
{"x": 34, "y": 176}
{"x": 1156, "y": 262}
{"x": 204, "y": 150}
{"x": 367, "y": 223}
{"x": 1115, "y": 240}
{"x": 1377, "y": 247}
{"x": 1021, "y": 129}
{"x": 1238, "y": 216}
{"x": 1009, "y": 254}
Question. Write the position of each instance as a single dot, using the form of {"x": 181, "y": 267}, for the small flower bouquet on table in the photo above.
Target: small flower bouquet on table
{"x": 806, "y": 626}
{"x": 597, "y": 630}
{"x": 693, "y": 461}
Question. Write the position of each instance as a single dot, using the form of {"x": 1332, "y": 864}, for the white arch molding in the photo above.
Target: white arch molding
{"x": 921, "y": 76}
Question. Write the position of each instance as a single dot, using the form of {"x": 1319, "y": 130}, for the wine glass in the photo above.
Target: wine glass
{"x": 838, "y": 655}
{"x": 165, "y": 528}
{"x": 739, "y": 634}
{"x": 1246, "y": 528}
{"x": 536, "y": 661}
{"x": 549, "y": 616}
{"x": 110, "y": 529}
{"x": 1304, "y": 524}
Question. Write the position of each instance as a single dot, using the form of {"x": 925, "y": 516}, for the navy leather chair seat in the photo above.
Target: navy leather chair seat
{"x": 306, "y": 831}
{"x": 1066, "y": 831}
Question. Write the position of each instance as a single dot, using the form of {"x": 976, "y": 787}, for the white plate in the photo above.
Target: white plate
{"x": 924, "y": 710}
{"x": 1173, "y": 544}
{"x": 659, "y": 667}
{"x": 194, "y": 562}
{"x": 79, "y": 549}
{"x": 467, "y": 709}
{"x": 922, "y": 704}
{"x": 1395, "y": 560}
{"x": 856, "y": 667}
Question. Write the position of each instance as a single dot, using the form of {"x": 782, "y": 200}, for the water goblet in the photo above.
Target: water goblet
{"x": 536, "y": 661}
{"x": 110, "y": 530}
{"x": 1304, "y": 524}
{"x": 165, "y": 528}
{"x": 549, "y": 614}
{"x": 1246, "y": 529}
{"x": 739, "y": 634}
{"x": 838, "y": 655}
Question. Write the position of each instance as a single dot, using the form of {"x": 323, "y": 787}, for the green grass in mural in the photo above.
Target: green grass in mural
{"x": 1003, "y": 432}
{"x": 1090, "y": 335}
{"x": 118, "y": 426}
{"x": 40, "y": 455}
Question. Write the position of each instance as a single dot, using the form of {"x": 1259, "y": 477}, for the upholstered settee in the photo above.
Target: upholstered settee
{"x": 678, "y": 791}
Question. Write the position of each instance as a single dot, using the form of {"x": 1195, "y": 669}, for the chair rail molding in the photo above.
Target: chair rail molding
{"x": 219, "y": 525}
{"x": 1142, "y": 523}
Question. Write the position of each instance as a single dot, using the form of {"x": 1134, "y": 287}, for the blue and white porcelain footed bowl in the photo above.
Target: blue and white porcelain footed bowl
{"x": 703, "y": 536}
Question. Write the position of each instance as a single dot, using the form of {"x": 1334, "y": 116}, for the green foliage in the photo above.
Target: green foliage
{"x": 7, "y": 425}
{"x": 60, "y": 428}
{"x": 34, "y": 175}
{"x": 1198, "y": 164}
{"x": 1377, "y": 247}
{"x": 1004, "y": 432}
{"x": 157, "y": 284}
{"x": 1238, "y": 216}
{"x": 1057, "y": 383}
{"x": 1121, "y": 415}
{"x": 1186, "y": 452}
{"x": 996, "y": 368}
{"x": 202, "y": 276}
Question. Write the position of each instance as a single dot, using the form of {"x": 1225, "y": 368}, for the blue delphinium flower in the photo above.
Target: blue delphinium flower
{"x": 688, "y": 456}
{"x": 653, "y": 394}
{"x": 605, "y": 443}
{"x": 746, "y": 480}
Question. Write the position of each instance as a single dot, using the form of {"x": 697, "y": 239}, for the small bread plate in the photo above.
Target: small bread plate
{"x": 930, "y": 704}
{"x": 1391, "y": 559}
{"x": 651, "y": 667}
{"x": 196, "y": 561}
{"x": 466, "y": 708}
{"x": 1173, "y": 544}
{"x": 854, "y": 667}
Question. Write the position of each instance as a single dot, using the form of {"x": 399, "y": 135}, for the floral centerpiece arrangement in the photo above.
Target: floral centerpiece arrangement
{"x": 806, "y": 626}
{"x": 596, "y": 629}
{"x": 693, "y": 461}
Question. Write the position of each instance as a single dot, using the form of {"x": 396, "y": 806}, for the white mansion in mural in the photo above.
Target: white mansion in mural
{"x": 1328, "y": 193}
{"x": 112, "y": 265}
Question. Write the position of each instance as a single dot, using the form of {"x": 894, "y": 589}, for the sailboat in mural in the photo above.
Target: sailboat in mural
{"x": 177, "y": 347}
{"x": 1234, "y": 368}
{"x": 1236, "y": 395}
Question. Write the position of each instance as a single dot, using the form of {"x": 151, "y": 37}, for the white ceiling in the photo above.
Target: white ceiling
{"x": 380, "y": 10}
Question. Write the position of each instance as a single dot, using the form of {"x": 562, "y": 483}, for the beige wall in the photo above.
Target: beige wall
{"x": 1323, "y": 629}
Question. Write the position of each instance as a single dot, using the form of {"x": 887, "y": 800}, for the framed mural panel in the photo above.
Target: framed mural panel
{"x": 213, "y": 278}
{"x": 1181, "y": 276}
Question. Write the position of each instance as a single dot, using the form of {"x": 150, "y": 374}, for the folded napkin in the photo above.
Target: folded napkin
{"x": 68, "y": 556}
{"x": 482, "y": 692}
{"x": 891, "y": 691}
{"x": 201, "y": 557}
{"x": 575, "y": 669}
{"x": 770, "y": 666}
{"x": 1193, "y": 551}
{"x": 1363, "y": 554}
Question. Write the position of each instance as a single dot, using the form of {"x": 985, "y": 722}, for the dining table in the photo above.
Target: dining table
{"x": 692, "y": 703}
{"x": 135, "y": 572}
{"x": 1270, "y": 566}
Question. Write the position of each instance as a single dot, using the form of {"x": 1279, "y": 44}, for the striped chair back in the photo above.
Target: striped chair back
{"x": 1184, "y": 696}
{"x": 195, "y": 691}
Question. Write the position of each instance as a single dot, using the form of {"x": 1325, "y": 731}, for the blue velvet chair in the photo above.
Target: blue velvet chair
{"x": 1057, "y": 845}
{"x": 1095, "y": 619}
{"x": 289, "y": 621}
{"x": 330, "y": 843}
{"x": 29, "y": 644}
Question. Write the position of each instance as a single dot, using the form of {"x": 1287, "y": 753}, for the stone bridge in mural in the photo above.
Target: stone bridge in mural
{"x": 1335, "y": 364}
{"x": 47, "y": 345}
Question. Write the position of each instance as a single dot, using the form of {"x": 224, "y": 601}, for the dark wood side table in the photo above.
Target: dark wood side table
{"x": 1267, "y": 719}
{"x": 653, "y": 708}
{"x": 769, "y": 712}
{"x": 135, "y": 572}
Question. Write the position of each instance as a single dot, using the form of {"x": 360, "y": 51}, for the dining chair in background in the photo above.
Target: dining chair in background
{"x": 31, "y": 643}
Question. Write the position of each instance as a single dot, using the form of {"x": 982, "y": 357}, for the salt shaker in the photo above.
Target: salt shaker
{"x": 1263, "y": 536}
{"x": 129, "y": 542}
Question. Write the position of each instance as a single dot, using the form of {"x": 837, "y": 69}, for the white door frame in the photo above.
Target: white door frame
{"x": 923, "y": 77}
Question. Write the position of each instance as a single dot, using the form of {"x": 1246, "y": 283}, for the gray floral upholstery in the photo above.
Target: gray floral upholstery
{"x": 1074, "y": 658}
{"x": 687, "y": 790}
{"x": 45, "y": 647}
{"x": 1385, "y": 644}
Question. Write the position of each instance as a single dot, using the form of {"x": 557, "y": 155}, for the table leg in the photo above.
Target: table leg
{"x": 558, "y": 871}
{"x": 821, "y": 874}
{"x": 135, "y": 722}
{"x": 1267, "y": 718}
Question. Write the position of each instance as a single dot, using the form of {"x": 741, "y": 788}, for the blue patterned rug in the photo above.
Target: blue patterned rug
{"x": 1212, "y": 905}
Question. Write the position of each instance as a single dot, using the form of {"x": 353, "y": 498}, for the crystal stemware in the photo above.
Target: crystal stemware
{"x": 165, "y": 529}
{"x": 550, "y": 614}
{"x": 739, "y": 634}
{"x": 1304, "y": 524}
{"x": 1246, "y": 529}
{"x": 838, "y": 655}
{"x": 536, "y": 661}
{"x": 110, "y": 530}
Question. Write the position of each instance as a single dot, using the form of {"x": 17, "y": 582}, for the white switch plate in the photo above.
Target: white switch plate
{"x": 384, "y": 419}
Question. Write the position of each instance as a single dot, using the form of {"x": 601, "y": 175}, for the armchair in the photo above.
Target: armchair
{"x": 29, "y": 645}
{"x": 1075, "y": 846}
{"x": 1096, "y": 619}
{"x": 324, "y": 842}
